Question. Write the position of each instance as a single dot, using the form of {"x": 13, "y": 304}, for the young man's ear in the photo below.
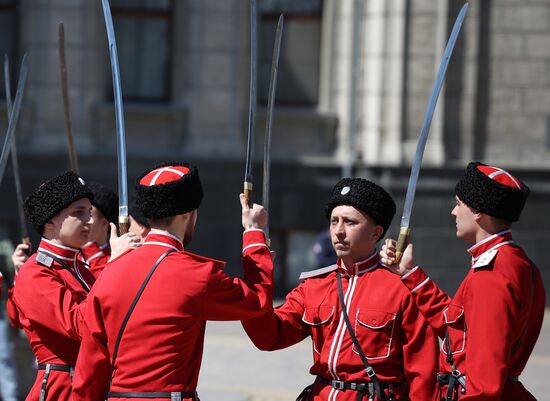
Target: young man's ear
{"x": 377, "y": 232}
{"x": 477, "y": 214}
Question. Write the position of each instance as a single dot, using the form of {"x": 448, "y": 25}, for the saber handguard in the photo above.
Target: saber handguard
{"x": 123, "y": 224}
{"x": 402, "y": 242}
{"x": 248, "y": 193}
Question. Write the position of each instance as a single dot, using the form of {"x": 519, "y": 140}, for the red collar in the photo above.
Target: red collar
{"x": 63, "y": 252}
{"x": 363, "y": 266}
{"x": 490, "y": 243}
{"x": 163, "y": 238}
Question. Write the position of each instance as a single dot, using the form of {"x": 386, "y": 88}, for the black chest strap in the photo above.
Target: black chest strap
{"x": 129, "y": 313}
{"x": 380, "y": 394}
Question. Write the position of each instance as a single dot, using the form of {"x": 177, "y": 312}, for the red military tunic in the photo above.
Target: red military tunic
{"x": 397, "y": 341}
{"x": 48, "y": 300}
{"x": 95, "y": 256}
{"x": 494, "y": 319}
{"x": 162, "y": 346}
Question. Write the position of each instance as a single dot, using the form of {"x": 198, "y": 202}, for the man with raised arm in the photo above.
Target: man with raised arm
{"x": 492, "y": 323}
{"x": 146, "y": 317}
{"x": 394, "y": 339}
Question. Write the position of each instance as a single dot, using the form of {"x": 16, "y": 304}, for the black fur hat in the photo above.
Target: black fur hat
{"x": 492, "y": 191}
{"x": 366, "y": 196}
{"x": 106, "y": 200}
{"x": 53, "y": 196}
{"x": 136, "y": 214}
{"x": 168, "y": 189}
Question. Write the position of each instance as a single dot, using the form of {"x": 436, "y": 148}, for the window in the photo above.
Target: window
{"x": 143, "y": 31}
{"x": 8, "y": 34}
{"x": 298, "y": 77}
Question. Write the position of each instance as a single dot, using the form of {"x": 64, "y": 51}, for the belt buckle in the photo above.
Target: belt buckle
{"x": 175, "y": 396}
{"x": 338, "y": 384}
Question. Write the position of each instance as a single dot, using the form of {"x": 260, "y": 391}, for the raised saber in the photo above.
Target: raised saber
{"x": 269, "y": 116}
{"x": 252, "y": 105}
{"x": 15, "y": 164}
{"x": 404, "y": 231}
{"x": 123, "y": 221}
{"x": 14, "y": 116}
{"x": 65, "y": 92}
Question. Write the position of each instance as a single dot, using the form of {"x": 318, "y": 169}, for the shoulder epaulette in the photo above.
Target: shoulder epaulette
{"x": 318, "y": 272}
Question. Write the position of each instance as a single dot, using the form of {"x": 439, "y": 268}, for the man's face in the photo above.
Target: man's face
{"x": 466, "y": 225}
{"x": 71, "y": 226}
{"x": 353, "y": 233}
{"x": 100, "y": 227}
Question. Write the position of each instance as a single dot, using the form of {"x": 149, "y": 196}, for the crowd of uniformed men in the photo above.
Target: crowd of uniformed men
{"x": 123, "y": 317}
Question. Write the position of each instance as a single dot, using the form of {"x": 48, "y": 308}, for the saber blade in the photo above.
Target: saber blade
{"x": 15, "y": 163}
{"x": 14, "y": 116}
{"x": 123, "y": 221}
{"x": 65, "y": 92}
{"x": 248, "y": 176}
{"x": 269, "y": 116}
{"x": 423, "y": 137}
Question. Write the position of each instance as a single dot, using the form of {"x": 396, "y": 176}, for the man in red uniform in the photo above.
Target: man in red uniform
{"x": 400, "y": 347}
{"x": 52, "y": 283}
{"x": 96, "y": 252}
{"x": 495, "y": 317}
{"x": 157, "y": 353}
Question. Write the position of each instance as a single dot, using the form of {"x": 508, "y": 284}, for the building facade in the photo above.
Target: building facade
{"x": 355, "y": 77}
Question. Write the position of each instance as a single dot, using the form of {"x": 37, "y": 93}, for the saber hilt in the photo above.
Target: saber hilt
{"x": 123, "y": 224}
{"x": 402, "y": 242}
{"x": 248, "y": 193}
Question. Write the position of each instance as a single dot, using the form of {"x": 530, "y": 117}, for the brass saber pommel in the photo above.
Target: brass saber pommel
{"x": 402, "y": 242}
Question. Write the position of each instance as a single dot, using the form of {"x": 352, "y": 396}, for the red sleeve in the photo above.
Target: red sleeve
{"x": 226, "y": 298}
{"x": 91, "y": 377}
{"x": 429, "y": 299}
{"x": 45, "y": 301}
{"x": 420, "y": 352}
{"x": 97, "y": 268}
{"x": 11, "y": 310}
{"x": 490, "y": 318}
{"x": 279, "y": 328}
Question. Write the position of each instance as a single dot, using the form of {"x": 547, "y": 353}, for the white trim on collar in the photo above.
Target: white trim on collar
{"x": 68, "y": 248}
{"x": 490, "y": 238}
{"x": 161, "y": 244}
{"x": 164, "y": 232}
{"x": 56, "y": 255}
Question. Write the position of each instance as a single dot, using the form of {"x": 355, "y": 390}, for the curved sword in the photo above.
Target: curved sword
{"x": 423, "y": 137}
{"x": 14, "y": 116}
{"x": 15, "y": 164}
{"x": 123, "y": 221}
{"x": 65, "y": 92}
{"x": 269, "y": 116}
{"x": 252, "y": 105}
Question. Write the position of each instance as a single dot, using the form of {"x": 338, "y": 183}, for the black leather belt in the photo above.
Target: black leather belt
{"x": 173, "y": 396}
{"x": 48, "y": 367}
{"x": 52, "y": 366}
{"x": 342, "y": 385}
{"x": 364, "y": 389}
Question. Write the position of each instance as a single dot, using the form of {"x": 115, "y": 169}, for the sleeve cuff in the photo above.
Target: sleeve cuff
{"x": 252, "y": 239}
{"x": 415, "y": 279}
